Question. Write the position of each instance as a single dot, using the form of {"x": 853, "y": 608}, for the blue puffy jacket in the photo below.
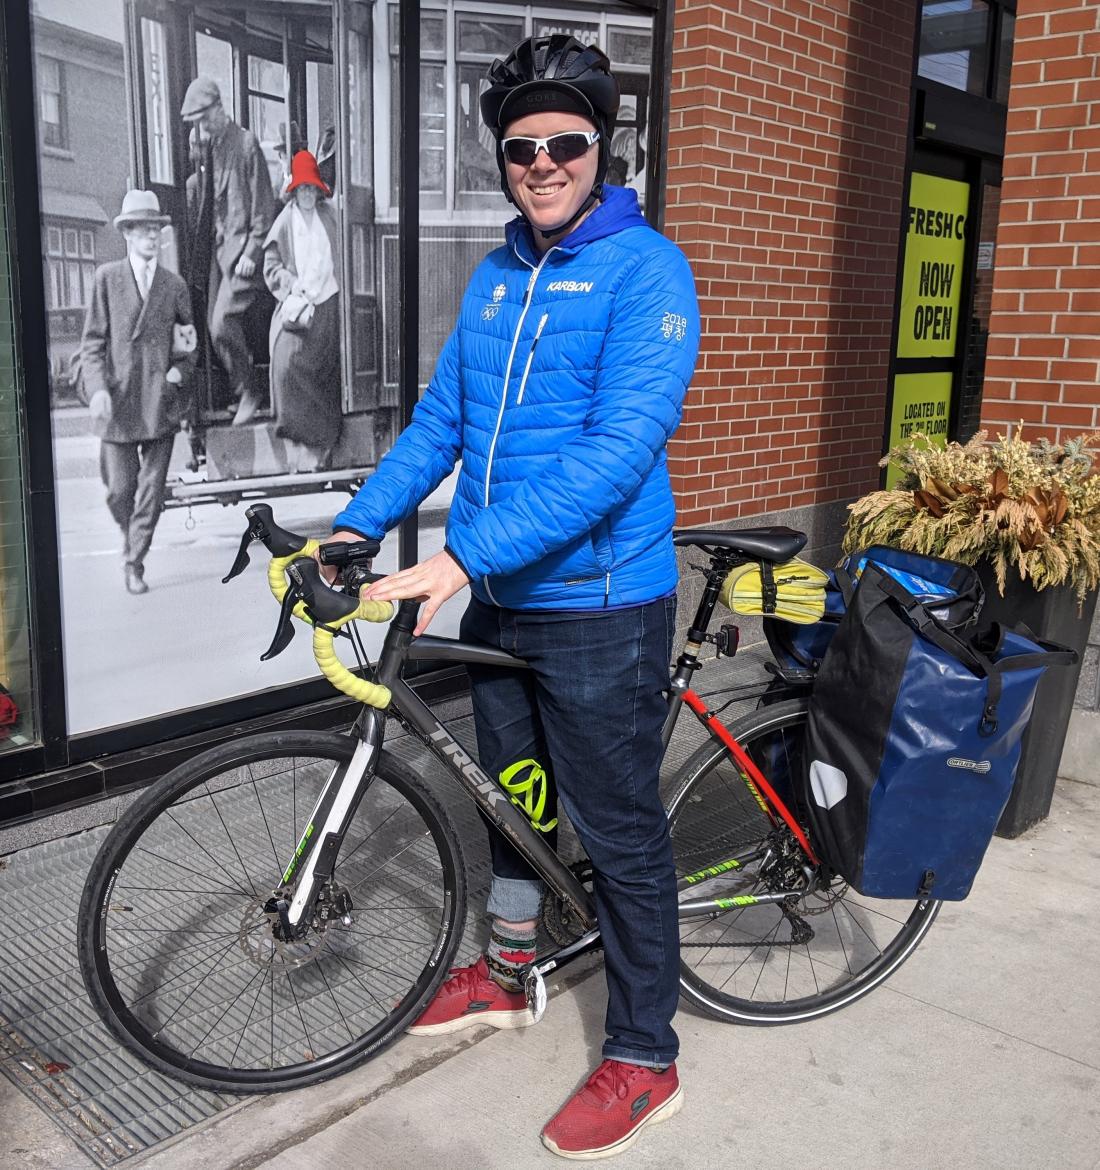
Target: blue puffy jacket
{"x": 558, "y": 389}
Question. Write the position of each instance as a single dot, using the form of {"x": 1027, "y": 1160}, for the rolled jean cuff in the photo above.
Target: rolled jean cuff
{"x": 637, "y": 1056}
{"x": 514, "y": 899}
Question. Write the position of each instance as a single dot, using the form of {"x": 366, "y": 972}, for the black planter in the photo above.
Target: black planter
{"x": 1052, "y": 614}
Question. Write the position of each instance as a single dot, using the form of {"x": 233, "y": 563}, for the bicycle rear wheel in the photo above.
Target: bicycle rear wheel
{"x": 772, "y": 963}
{"x": 180, "y": 958}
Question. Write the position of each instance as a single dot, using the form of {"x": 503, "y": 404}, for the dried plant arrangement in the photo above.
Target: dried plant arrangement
{"x": 1032, "y": 508}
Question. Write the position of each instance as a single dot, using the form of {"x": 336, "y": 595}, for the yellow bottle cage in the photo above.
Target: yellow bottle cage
{"x": 528, "y": 793}
{"x": 794, "y": 591}
{"x": 359, "y": 689}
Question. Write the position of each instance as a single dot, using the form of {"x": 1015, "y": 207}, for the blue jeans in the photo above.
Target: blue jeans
{"x": 590, "y": 712}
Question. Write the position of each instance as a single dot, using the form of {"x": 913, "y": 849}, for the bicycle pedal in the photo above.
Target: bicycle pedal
{"x": 534, "y": 989}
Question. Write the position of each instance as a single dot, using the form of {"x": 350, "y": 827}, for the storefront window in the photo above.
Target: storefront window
{"x": 954, "y": 43}
{"x": 17, "y": 705}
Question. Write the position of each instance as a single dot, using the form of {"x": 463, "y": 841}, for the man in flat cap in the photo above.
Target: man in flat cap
{"x": 136, "y": 352}
{"x": 236, "y": 198}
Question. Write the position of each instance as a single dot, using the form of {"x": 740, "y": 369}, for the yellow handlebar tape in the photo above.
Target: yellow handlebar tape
{"x": 362, "y": 691}
{"x": 372, "y": 694}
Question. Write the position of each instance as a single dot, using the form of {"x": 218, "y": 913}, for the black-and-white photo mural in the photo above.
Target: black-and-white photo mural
{"x": 219, "y": 199}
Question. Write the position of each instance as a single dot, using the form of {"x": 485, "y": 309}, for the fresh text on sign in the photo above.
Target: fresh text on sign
{"x": 927, "y": 221}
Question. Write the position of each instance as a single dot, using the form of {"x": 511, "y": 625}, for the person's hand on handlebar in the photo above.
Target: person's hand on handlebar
{"x": 432, "y": 581}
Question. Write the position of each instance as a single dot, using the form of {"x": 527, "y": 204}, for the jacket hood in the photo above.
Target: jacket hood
{"x": 617, "y": 210}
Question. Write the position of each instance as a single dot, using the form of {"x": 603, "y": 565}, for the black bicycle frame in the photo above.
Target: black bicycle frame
{"x": 401, "y": 646}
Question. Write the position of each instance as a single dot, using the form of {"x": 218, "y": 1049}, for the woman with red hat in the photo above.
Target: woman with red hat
{"x": 301, "y": 270}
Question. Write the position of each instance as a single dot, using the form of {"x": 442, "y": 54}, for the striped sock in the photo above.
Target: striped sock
{"x": 510, "y": 950}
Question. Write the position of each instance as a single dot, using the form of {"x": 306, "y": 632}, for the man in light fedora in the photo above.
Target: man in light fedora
{"x": 236, "y": 201}
{"x": 137, "y": 348}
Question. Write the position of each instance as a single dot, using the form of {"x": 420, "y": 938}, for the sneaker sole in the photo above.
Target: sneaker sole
{"x": 669, "y": 1109}
{"x": 500, "y": 1020}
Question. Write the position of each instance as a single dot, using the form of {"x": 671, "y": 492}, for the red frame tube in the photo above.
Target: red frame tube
{"x": 718, "y": 729}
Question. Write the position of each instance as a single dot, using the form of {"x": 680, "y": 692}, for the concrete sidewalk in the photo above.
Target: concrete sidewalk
{"x": 983, "y": 1051}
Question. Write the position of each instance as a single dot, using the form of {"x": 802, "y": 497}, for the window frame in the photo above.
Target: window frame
{"x": 62, "y": 122}
{"x": 62, "y": 261}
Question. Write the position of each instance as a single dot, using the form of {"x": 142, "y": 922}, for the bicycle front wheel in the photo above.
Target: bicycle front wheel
{"x": 780, "y": 962}
{"x": 188, "y": 969}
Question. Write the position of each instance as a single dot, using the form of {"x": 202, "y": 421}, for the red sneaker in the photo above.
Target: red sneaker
{"x": 618, "y": 1100}
{"x": 470, "y": 998}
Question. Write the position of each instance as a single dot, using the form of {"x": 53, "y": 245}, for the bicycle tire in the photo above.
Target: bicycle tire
{"x": 315, "y": 1009}
{"x": 744, "y": 964}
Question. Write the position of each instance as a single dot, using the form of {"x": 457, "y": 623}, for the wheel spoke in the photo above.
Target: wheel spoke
{"x": 240, "y": 860}
{"x": 198, "y": 873}
{"x": 256, "y": 793}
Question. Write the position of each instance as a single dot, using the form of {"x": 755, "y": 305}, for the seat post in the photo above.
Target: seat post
{"x": 688, "y": 662}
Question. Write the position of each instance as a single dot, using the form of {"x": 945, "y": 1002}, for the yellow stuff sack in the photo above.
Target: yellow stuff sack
{"x": 794, "y": 591}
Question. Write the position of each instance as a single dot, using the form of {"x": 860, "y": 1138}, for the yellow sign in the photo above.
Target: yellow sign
{"x": 922, "y": 402}
{"x": 931, "y": 284}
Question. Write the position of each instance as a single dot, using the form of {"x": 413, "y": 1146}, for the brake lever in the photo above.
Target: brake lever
{"x": 242, "y": 560}
{"x": 256, "y": 529}
{"x": 284, "y": 631}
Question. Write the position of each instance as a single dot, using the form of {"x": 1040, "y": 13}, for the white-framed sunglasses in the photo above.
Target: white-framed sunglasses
{"x": 560, "y": 148}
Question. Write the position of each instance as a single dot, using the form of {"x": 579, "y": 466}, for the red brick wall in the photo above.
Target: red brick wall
{"x": 787, "y": 147}
{"x": 1044, "y": 345}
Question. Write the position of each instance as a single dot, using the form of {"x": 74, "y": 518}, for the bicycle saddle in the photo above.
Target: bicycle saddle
{"x": 775, "y": 543}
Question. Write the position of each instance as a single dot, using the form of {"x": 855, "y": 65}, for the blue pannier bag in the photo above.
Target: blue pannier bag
{"x": 913, "y": 737}
{"x": 952, "y": 592}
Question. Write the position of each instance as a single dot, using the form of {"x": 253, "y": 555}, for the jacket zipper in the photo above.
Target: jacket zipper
{"x": 504, "y": 395}
{"x": 531, "y": 357}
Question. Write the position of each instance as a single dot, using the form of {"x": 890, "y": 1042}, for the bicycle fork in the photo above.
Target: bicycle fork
{"x": 314, "y": 857}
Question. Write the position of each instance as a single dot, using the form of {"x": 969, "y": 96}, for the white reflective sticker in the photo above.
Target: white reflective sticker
{"x": 829, "y": 784}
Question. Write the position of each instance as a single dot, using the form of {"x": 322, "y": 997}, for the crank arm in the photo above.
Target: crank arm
{"x": 563, "y": 956}
{"x": 533, "y": 975}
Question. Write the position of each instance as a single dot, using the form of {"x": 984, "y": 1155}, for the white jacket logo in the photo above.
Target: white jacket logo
{"x": 584, "y": 286}
{"x": 673, "y": 325}
{"x": 493, "y": 307}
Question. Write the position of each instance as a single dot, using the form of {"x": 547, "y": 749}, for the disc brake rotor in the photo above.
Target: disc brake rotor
{"x": 257, "y": 940}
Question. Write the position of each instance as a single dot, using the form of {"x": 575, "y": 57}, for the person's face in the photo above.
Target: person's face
{"x": 142, "y": 240}
{"x": 306, "y": 196}
{"x": 211, "y": 121}
{"x": 550, "y": 193}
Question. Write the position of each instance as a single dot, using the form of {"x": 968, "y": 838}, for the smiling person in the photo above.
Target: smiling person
{"x": 558, "y": 390}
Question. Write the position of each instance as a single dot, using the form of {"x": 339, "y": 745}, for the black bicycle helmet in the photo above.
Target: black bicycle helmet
{"x": 553, "y": 73}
